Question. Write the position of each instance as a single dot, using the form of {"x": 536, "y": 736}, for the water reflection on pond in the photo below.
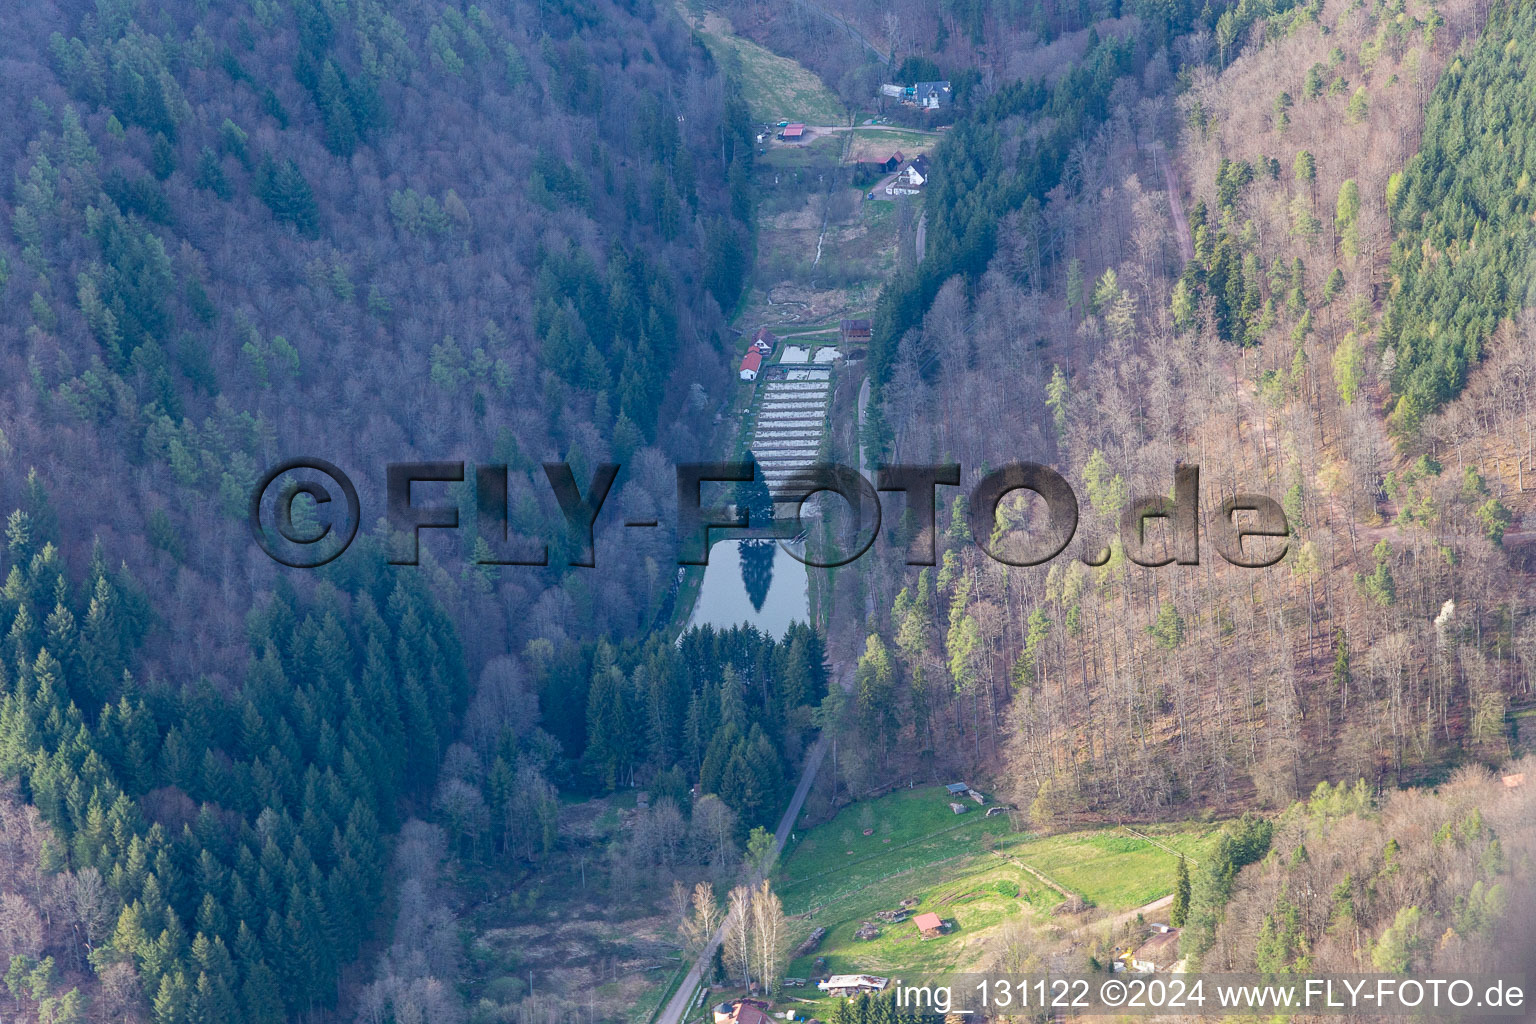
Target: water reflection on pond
{"x": 724, "y": 599}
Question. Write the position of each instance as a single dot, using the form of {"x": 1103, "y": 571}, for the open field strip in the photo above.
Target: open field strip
{"x": 775, "y": 88}
{"x": 796, "y": 387}
{"x": 798, "y": 421}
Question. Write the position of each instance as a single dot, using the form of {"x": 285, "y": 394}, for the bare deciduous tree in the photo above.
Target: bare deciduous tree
{"x": 737, "y": 949}
{"x": 702, "y": 920}
{"x": 768, "y": 936}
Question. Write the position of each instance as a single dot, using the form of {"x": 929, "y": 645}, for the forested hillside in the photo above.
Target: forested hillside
{"x": 367, "y": 233}
{"x": 364, "y": 234}
{"x": 230, "y": 846}
{"x": 1412, "y": 883}
{"x": 982, "y": 179}
{"x": 1462, "y": 261}
{"x": 1288, "y": 242}
{"x": 1240, "y": 328}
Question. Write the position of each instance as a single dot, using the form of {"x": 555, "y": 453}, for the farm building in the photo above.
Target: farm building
{"x": 875, "y": 167}
{"x": 853, "y": 330}
{"x": 931, "y": 95}
{"x": 852, "y": 984}
{"x": 792, "y": 132}
{"x": 1158, "y": 953}
{"x": 750, "y": 364}
{"x": 911, "y": 179}
{"x": 928, "y": 95}
{"x": 929, "y": 925}
{"x": 764, "y": 340}
{"x": 958, "y": 789}
{"x": 742, "y": 1011}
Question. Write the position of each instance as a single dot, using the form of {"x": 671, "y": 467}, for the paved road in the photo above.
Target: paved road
{"x": 866, "y": 467}
{"x": 865, "y": 462}
{"x": 678, "y": 1006}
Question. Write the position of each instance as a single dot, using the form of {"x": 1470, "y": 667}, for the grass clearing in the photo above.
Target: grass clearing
{"x": 971, "y": 901}
{"x": 822, "y": 149}
{"x": 610, "y": 951}
{"x": 1115, "y": 870}
{"x": 965, "y": 868}
{"x": 859, "y": 251}
{"x": 908, "y": 829}
{"x": 872, "y": 144}
{"x": 775, "y": 88}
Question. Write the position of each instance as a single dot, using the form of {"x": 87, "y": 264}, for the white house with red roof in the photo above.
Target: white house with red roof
{"x": 751, "y": 363}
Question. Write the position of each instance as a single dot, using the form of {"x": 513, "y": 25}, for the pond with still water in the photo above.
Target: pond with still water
{"x": 770, "y": 594}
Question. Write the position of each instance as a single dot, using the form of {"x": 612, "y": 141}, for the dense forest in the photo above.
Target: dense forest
{"x": 1119, "y": 326}
{"x": 368, "y": 233}
{"x": 1287, "y": 241}
{"x": 1462, "y": 259}
{"x": 727, "y": 711}
{"x": 1412, "y": 882}
{"x": 225, "y": 848}
{"x": 982, "y": 179}
{"x": 461, "y": 287}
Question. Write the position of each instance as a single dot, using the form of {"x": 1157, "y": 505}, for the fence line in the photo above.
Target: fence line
{"x": 1047, "y": 879}
{"x": 1160, "y": 846}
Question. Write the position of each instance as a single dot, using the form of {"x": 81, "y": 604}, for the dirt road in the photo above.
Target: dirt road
{"x": 1175, "y": 200}
{"x": 1145, "y": 911}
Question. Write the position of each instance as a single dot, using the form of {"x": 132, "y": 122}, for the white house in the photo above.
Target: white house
{"x": 916, "y": 172}
{"x": 750, "y": 364}
{"x": 852, "y": 984}
{"x": 911, "y": 179}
